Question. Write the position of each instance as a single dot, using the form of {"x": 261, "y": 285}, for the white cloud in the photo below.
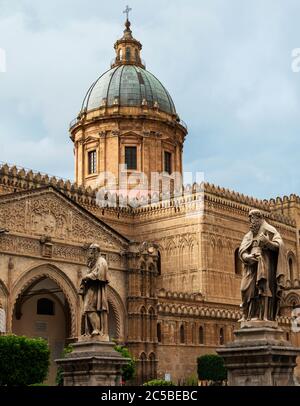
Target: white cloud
{"x": 227, "y": 65}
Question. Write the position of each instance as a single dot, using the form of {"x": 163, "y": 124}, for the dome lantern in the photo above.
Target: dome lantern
{"x": 128, "y": 49}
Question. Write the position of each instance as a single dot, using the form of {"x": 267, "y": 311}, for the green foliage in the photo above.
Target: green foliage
{"x": 128, "y": 370}
{"x": 23, "y": 360}
{"x": 191, "y": 380}
{"x": 159, "y": 382}
{"x": 211, "y": 368}
{"x": 59, "y": 375}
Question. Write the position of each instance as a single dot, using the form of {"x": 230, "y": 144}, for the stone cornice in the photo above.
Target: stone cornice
{"x": 115, "y": 113}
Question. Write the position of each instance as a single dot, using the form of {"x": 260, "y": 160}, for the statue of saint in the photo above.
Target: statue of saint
{"x": 262, "y": 252}
{"x": 93, "y": 289}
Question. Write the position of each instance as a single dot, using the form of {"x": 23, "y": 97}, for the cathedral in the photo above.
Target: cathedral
{"x": 174, "y": 270}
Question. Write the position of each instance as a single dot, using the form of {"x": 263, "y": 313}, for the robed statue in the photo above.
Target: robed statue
{"x": 93, "y": 289}
{"x": 263, "y": 255}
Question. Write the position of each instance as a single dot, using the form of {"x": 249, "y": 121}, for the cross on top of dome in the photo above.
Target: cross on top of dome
{"x": 127, "y": 32}
{"x": 128, "y": 48}
{"x": 127, "y": 11}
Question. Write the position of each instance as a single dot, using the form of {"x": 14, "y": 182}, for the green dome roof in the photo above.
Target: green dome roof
{"x": 128, "y": 85}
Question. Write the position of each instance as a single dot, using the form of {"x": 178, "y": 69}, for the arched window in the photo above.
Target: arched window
{"x": 291, "y": 269}
{"x": 158, "y": 263}
{"x": 221, "y": 336}
{"x": 143, "y": 279}
{"x": 201, "y": 335}
{"x": 151, "y": 280}
{"x": 152, "y": 321}
{"x": 120, "y": 54}
{"x": 159, "y": 332}
{"x": 143, "y": 359}
{"x": 193, "y": 333}
{"x": 238, "y": 266}
{"x": 137, "y": 56}
{"x": 45, "y": 306}
{"x": 182, "y": 334}
{"x": 143, "y": 324}
{"x": 128, "y": 54}
{"x": 152, "y": 361}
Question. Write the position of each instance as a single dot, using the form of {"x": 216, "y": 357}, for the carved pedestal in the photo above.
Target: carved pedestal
{"x": 259, "y": 356}
{"x": 92, "y": 363}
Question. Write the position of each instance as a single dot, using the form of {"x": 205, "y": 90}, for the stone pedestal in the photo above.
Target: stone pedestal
{"x": 92, "y": 363}
{"x": 259, "y": 356}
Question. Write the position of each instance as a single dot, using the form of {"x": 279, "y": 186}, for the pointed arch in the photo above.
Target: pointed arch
{"x": 153, "y": 362}
{"x": 221, "y": 336}
{"x": 182, "y": 334}
{"x": 3, "y": 288}
{"x": 143, "y": 284}
{"x": 143, "y": 327}
{"x": 292, "y": 267}
{"x": 201, "y": 335}
{"x": 52, "y": 272}
{"x": 158, "y": 263}
{"x": 119, "y": 310}
{"x": 159, "y": 332}
{"x": 143, "y": 367}
{"x": 292, "y": 300}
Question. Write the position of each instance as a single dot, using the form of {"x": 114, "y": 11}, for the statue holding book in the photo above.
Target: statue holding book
{"x": 93, "y": 290}
{"x": 262, "y": 253}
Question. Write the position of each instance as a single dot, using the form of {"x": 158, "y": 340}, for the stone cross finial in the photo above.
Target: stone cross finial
{"x": 127, "y": 11}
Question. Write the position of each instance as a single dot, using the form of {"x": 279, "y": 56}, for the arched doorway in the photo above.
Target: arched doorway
{"x": 42, "y": 310}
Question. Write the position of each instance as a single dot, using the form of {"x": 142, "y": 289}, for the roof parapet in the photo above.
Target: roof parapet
{"x": 17, "y": 178}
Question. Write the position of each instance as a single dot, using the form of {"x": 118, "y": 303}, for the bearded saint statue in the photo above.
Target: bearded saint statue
{"x": 263, "y": 255}
{"x": 93, "y": 289}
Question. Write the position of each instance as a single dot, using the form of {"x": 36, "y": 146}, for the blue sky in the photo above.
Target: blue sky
{"x": 226, "y": 63}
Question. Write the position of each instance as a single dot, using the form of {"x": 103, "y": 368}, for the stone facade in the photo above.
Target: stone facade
{"x": 175, "y": 276}
{"x": 186, "y": 299}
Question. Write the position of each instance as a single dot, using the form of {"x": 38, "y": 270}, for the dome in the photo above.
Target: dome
{"x": 128, "y": 85}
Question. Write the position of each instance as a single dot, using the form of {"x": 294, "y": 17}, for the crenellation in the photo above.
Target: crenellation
{"x": 20, "y": 179}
